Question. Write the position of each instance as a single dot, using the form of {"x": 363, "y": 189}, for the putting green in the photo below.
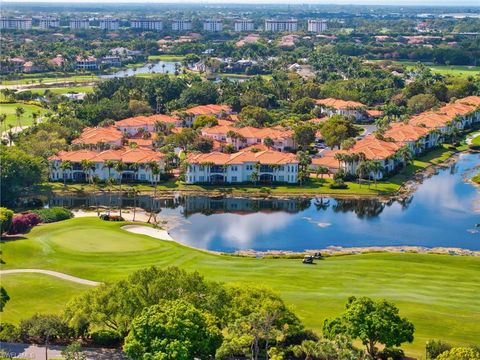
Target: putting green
{"x": 438, "y": 293}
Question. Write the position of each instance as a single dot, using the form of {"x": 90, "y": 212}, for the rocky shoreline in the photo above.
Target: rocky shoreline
{"x": 339, "y": 250}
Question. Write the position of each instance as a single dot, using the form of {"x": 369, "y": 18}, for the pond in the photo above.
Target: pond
{"x": 443, "y": 212}
{"x": 159, "y": 67}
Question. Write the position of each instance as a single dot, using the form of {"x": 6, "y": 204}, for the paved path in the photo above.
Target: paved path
{"x": 51, "y": 273}
{"x": 35, "y": 352}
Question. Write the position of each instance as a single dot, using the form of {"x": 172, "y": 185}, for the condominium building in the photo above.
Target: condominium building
{"x": 76, "y": 24}
{"x": 109, "y": 24}
{"x": 281, "y": 25}
{"x": 49, "y": 23}
{"x": 212, "y": 25}
{"x": 317, "y": 26}
{"x": 181, "y": 25}
{"x": 86, "y": 63}
{"x": 244, "y": 25}
{"x": 147, "y": 24}
{"x": 16, "y": 23}
{"x": 245, "y": 166}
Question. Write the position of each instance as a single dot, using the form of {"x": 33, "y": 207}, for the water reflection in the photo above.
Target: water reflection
{"x": 440, "y": 213}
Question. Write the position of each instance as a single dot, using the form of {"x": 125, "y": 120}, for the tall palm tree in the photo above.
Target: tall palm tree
{"x": 362, "y": 169}
{"x": 120, "y": 168}
{"x": 3, "y": 118}
{"x": 134, "y": 192}
{"x": 95, "y": 181}
{"x": 109, "y": 164}
{"x": 154, "y": 172}
{"x": 374, "y": 167}
{"x": 87, "y": 166}
{"x": 110, "y": 183}
{"x": 65, "y": 165}
{"x": 406, "y": 155}
{"x": 19, "y": 111}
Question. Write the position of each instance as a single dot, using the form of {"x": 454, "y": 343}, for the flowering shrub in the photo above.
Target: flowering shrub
{"x": 22, "y": 223}
{"x": 107, "y": 217}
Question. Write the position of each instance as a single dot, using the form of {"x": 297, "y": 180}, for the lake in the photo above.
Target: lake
{"x": 443, "y": 212}
{"x": 159, "y": 67}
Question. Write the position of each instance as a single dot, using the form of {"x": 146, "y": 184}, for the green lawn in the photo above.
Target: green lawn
{"x": 456, "y": 70}
{"x": 63, "y": 90}
{"x": 476, "y": 140}
{"x": 166, "y": 57}
{"x": 51, "y": 79}
{"x": 439, "y": 293}
{"x": 26, "y": 119}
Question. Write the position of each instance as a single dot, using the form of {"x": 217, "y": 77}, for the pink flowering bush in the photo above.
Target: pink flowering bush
{"x": 22, "y": 223}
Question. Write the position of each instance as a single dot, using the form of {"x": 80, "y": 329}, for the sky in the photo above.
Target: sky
{"x": 298, "y": 2}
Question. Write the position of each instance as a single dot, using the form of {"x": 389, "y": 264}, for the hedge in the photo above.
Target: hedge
{"x": 54, "y": 214}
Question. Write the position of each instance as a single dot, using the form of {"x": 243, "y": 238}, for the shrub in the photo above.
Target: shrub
{"x": 9, "y": 333}
{"x": 6, "y": 216}
{"x": 22, "y": 223}
{"x": 434, "y": 348}
{"x": 460, "y": 353}
{"x": 107, "y": 217}
{"x": 338, "y": 184}
{"x": 105, "y": 338}
{"x": 391, "y": 353}
{"x": 53, "y": 214}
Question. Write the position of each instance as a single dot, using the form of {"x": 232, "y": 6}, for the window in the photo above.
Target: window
{"x": 281, "y": 178}
{"x": 201, "y": 167}
{"x": 143, "y": 177}
{"x": 234, "y": 179}
{"x": 201, "y": 178}
{"x": 234, "y": 168}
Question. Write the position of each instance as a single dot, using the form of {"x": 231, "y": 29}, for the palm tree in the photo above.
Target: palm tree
{"x": 309, "y": 349}
{"x": 134, "y": 192}
{"x": 110, "y": 183}
{"x": 374, "y": 166}
{"x": 255, "y": 174}
{"x": 19, "y": 111}
{"x": 154, "y": 172}
{"x": 109, "y": 164}
{"x": 65, "y": 165}
{"x": 95, "y": 181}
{"x": 10, "y": 135}
{"x": 406, "y": 155}
{"x": 321, "y": 170}
{"x": 3, "y": 118}
{"x": 120, "y": 168}
{"x": 362, "y": 169}
{"x": 134, "y": 167}
{"x": 87, "y": 166}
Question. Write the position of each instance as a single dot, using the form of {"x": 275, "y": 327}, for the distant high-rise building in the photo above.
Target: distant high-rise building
{"x": 79, "y": 24}
{"x": 244, "y": 25}
{"x": 109, "y": 24}
{"x": 49, "y": 23}
{"x": 281, "y": 25}
{"x": 147, "y": 24}
{"x": 212, "y": 25}
{"x": 181, "y": 25}
{"x": 16, "y": 23}
{"x": 317, "y": 26}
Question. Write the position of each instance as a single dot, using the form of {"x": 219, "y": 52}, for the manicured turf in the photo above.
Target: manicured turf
{"x": 166, "y": 57}
{"x": 26, "y": 118}
{"x": 63, "y": 90}
{"x": 51, "y": 79}
{"x": 476, "y": 140}
{"x": 36, "y": 293}
{"x": 457, "y": 70}
{"x": 439, "y": 293}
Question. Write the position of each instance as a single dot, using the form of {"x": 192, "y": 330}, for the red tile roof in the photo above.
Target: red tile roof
{"x": 401, "y": 132}
{"x": 340, "y": 104}
{"x": 100, "y": 134}
{"x": 151, "y": 120}
{"x": 266, "y": 157}
{"x": 127, "y": 155}
{"x": 211, "y": 109}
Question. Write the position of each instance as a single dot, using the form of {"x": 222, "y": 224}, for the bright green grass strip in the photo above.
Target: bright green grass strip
{"x": 63, "y": 90}
{"x": 36, "y": 293}
{"x": 166, "y": 57}
{"x": 439, "y": 293}
{"x": 25, "y": 119}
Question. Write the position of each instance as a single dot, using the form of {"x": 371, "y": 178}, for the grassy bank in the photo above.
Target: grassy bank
{"x": 454, "y": 70}
{"x": 420, "y": 284}
{"x": 166, "y": 57}
{"x": 25, "y": 119}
